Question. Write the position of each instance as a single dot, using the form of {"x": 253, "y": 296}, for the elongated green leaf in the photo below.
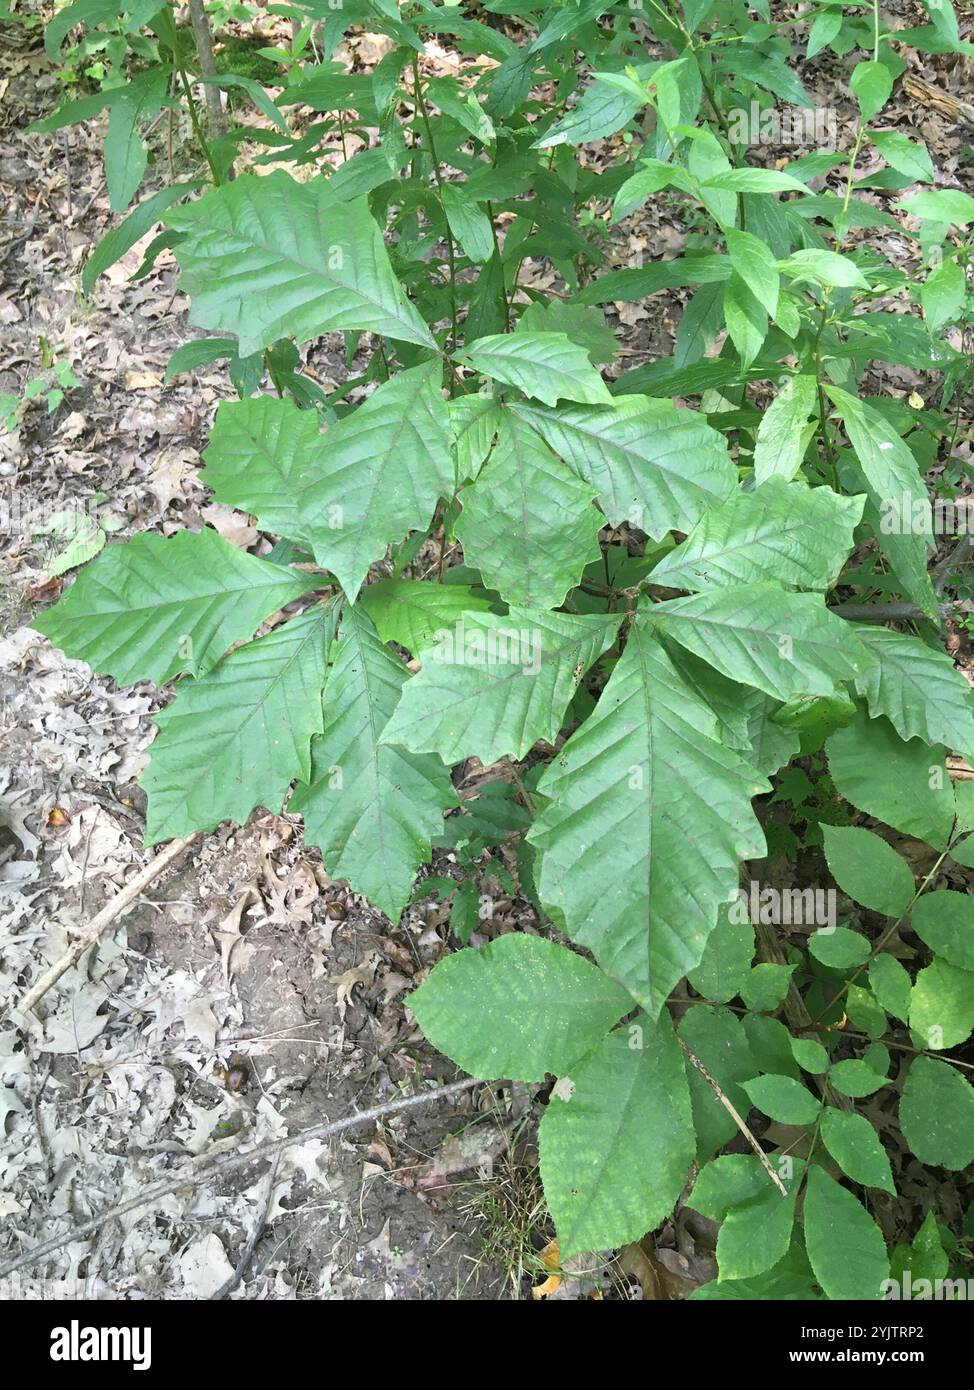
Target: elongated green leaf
{"x": 122, "y": 238}
{"x": 468, "y": 222}
{"x": 942, "y": 1005}
{"x": 237, "y": 737}
{"x": 415, "y": 613}
{"x": 896, "y": 493}
{"x": 746, "y": 319}
{"x": 528, "y": 523}
{"x": 845, "y": 1246}
{"x": 370, "y": 807}
{"x": 903, "y": 784}
{"x": 783, "y": 643}
{"x": 754, "y": 263}
{"x": 521, "y": 1007}
{"x": 919, "y": 689}
{"x": 474, "y": 421}
{"x": 726, "y": 961}
{"x": 781, "y": 439}
{"x": 943, "y": 294}
{"x": 784, "y": 1099}
{"x": 825, "y": 268}
{"x": 645, "y": 785}
{"x": 871, "y": 84}
{"x": 905, "y": 156}
{"x": 379, "y": 473}
{"x": 748, "y": 180}
{"x": 945, "y": 921}
{"x": 890, "y": 983}
{"x": 492, "y": 686}
{"x": 937, "y": 1114}
{"x": 800, "y": 535}
{"x": 947, "y": 205}
{"x": 717, "y": 1038}
{"x": 868, "y": 869}
{"x": 267, "y": 258}
{"x": 638, "y": 282}
{"x": 614, "y": 1157}
{"x": 855, "y": 1146}
{"x": 944, "y": 20}
{"x": 125, "y": 155}
{"x": 548, "y": 366}
{"x": 262, "y": 453}
{"x": 756, "y": 1221}
{"x": 150, "y": 608}
{"x": 655, "y": 466}
{"x": 601, "y": 110}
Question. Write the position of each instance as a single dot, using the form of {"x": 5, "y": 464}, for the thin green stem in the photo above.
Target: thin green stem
{"x": 438, "y": 177}
{"x": 886, "y": 936}
{"x": 195, "y": 121}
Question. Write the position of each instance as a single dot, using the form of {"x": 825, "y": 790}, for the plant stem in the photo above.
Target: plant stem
{"x": 204, "y": 47}
{"x": 438, "y": 177}
{"x": 886, "y": 936}
{"x": 823, "y": 414}
{"x": 195, "y": 122}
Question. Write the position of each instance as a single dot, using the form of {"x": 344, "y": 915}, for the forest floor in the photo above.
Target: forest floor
{"x": 245, "y": 997}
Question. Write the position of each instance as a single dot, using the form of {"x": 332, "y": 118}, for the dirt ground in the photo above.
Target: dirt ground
{"x": 246, "y": 997}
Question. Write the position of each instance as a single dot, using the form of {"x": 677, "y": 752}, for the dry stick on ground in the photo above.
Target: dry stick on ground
{"x": 204, "y": 47}
{"x": 729, "y": 1107}
{"x": 236, "y": 1278}
{"x": 205, "y": 1167}
{"x": 108, "y": 914}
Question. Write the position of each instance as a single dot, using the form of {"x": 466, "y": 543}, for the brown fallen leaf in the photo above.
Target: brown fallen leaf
{"x": 548, "y": 1256}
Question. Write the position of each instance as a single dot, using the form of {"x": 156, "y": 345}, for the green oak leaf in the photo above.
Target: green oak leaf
{"x": 150, "y": 608}
{"x": 415, "y": 613}
{"x": 785, "y": 644}
{"x": 492, "y": 686}
{"x": 268, "y": 258}
{"x": 528, "y": 523}
{"x": 262, "y": 453}
{"x": 237, "y": 737}
{"x": 615, "y": 1156}
{"x": 800, "y": 535}
{"x": 548, "y": 366}
{"x": 371, "y": 808}
{"x": 379, "y": 473}
{"x": 645, "y": 785}
{"x": 655, "y": 466}
{"x": 520, "y": 1007}
{"x": 918, "y": 689}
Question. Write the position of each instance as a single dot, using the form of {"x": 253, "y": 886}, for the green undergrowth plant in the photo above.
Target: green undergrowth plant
{"x": 659, "y": 624}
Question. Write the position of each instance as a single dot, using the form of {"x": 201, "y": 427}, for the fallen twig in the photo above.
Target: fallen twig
{"x": 225, "y": 1290}
{"x": 108, "y": 914}
{"x": 204, "y": 1167}
{"x": 731, "y": 1110}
